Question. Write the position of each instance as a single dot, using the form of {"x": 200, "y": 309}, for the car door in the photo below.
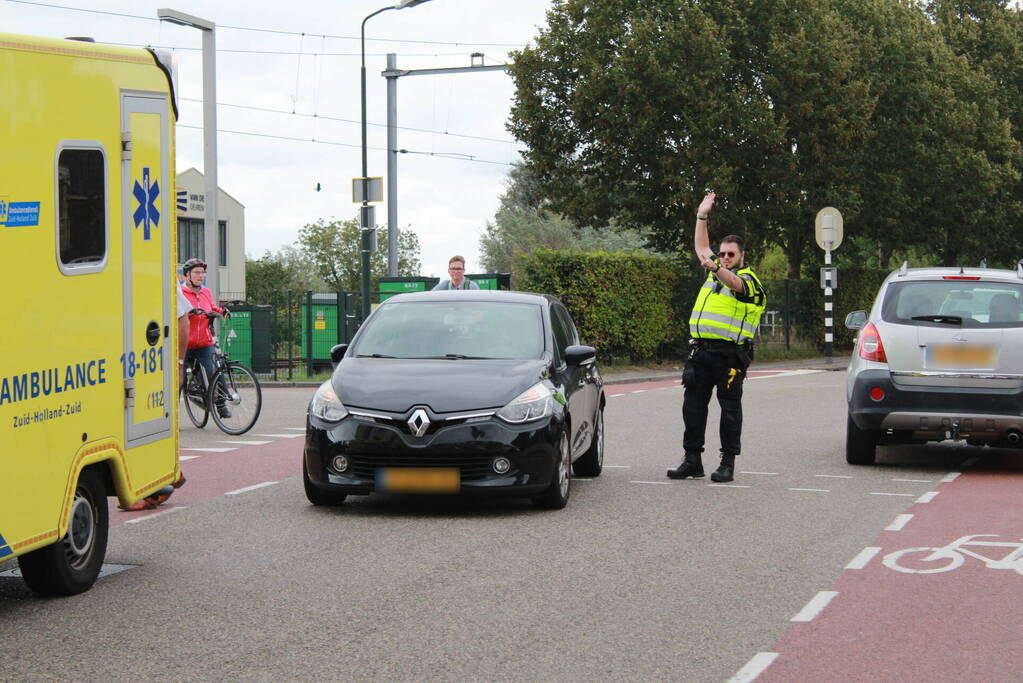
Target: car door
{"x": 576, "y": 388}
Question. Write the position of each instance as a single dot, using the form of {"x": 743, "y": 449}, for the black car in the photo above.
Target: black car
{"x": 477, "y": 392}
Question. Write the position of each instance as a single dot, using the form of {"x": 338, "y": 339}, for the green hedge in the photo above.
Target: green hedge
{"x": 637, "y": 306}
{"x": 622, "y": 303}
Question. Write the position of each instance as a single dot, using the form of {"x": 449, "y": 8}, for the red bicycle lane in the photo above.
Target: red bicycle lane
{"x": 215, "y": 474}
{"x": 955, "y": 621}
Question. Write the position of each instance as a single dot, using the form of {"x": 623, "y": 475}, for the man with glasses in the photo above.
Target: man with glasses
{"x": 456, "y": 273}
{"x": 721, "y": 330}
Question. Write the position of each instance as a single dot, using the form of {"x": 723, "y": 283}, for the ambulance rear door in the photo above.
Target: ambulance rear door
{"x": 147, "y": 363}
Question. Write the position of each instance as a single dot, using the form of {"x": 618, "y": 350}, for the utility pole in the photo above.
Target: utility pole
{"x": 392, "y": 74}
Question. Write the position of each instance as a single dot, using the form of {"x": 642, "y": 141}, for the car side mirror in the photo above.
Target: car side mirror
{"x": 579, "y": 354}
{"x": 856, "y": 320}
{"x": 337, "y": 352}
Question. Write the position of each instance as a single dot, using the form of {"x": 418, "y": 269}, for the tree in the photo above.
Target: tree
{"x": 632, "y": 109}
{"x": 287, "y": 269}
{"x": 522, "y": 225}
{"x": 334, "y": 248}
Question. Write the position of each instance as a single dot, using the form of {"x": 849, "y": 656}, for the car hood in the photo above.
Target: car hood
{"x": 395, "y": 385}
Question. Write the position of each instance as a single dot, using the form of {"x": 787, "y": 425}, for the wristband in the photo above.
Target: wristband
{"x": 701, "y": 216}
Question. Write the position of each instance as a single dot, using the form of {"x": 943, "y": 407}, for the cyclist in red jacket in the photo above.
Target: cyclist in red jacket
{"x": 200, "y": 335}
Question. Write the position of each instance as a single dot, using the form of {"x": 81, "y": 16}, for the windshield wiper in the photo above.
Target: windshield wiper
{"x": 947, "y": 319}
{"x": 374, "y": 355}
{"x": 455, "y": 356}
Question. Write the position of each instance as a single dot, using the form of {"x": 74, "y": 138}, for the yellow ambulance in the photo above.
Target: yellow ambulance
{"x": 88, "y": 368}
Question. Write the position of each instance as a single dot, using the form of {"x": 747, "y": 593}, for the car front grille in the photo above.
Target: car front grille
{"x": 472, "y": 466}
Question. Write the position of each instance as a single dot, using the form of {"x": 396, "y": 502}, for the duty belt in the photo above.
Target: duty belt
{"x": 715, "y": 343}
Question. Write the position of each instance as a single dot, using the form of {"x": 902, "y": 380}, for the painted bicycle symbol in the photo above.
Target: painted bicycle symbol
{"x": 952, "y": 556}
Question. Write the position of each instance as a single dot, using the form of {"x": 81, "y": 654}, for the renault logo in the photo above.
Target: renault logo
{"x": 419, "y": 422}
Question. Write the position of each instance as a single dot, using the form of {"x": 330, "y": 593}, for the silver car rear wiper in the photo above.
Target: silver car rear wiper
{"x": 947, "y": 319}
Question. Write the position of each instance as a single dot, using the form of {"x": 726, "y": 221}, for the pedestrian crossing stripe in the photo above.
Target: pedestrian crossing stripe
{"x": 5, "y": 549}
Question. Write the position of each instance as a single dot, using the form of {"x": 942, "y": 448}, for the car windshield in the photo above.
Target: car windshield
{"x": 453, "y": 330}
{"x": 966, "y": 303}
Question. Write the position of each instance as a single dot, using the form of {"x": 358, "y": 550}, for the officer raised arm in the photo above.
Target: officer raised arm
{"x": 720, "y": 265}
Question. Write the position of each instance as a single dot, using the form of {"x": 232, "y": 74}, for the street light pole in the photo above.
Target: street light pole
{"x": 365, "y": 212}
{"x": 211, "y": 222}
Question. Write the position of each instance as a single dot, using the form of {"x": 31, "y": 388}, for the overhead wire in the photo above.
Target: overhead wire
{"x": 457, "y": 156}
{"x": 344, "y": 120}
{"x": 301, "y": 53}
{"x": 261, "y": 30}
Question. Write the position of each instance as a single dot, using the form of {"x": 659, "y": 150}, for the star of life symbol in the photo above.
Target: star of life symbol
{"x": 145, "y": 193}
{"x": 419, "y": 422}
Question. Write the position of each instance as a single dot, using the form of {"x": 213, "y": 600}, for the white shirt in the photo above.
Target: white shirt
{"x": 184, "y": 306}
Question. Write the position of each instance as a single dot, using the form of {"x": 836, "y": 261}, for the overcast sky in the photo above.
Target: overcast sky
{"x": 445, "y": 200}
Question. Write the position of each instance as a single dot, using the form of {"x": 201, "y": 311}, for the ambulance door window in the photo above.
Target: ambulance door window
{"x": 81, "y": 210}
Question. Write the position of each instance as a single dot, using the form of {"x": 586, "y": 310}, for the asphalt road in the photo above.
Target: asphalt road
{"x": 639, "y": 578}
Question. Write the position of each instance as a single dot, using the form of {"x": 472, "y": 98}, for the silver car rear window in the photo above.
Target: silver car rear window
{"x": 968, "y": 303}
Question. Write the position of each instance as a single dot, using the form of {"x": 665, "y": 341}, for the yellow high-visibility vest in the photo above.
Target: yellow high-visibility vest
{"x": 720, "y": 313}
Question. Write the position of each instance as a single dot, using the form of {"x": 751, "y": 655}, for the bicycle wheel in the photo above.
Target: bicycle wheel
{"x": 194, "y": 393}
{"x": 235, "y": 398}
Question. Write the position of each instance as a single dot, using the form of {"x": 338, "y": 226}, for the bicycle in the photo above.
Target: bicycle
{"x": 954, "y": 554}
{"x": 232, "y": 396}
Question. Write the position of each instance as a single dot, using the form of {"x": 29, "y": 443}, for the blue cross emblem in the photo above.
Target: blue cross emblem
{"x": 146, "y": 195}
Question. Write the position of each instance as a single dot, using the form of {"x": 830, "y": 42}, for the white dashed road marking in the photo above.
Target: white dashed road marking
{"x": 658, "y": 483}
{"x": 187, "y": 457}
{"x": 834, "y": 476}
{"x": 899, "y": 522}
{"x": 154, "y": 515}
{"x": 247, "y": 443}
{"x": 927, "y": 497}
{"x": 250, "y": 488}
{"x": 864, "y": 558}
{"x": 754, "y": 667}
{"x": 281, "y": 436}
{"x": 951, "y": 476}
{"x": 210, "y": 450}
{"x": 812, "y": 490}
{"x": 916, "y": 481}
{"x": 881, "y": 493}
{"x": 815, "y": 606}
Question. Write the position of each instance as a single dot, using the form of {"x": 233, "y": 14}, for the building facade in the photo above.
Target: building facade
{"x": 191, "y": 205}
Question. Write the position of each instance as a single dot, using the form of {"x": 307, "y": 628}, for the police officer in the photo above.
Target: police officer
{"x": 721, "y": 329}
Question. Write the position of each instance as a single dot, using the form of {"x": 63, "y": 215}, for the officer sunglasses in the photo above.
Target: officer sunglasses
{"x": 723, "y": 254}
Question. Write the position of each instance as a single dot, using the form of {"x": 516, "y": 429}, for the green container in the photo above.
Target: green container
{"x": 389, "y": 286}
{"x": 318, "y": 317}
{"x": 491, "y": 280}
{"x": 245, "y": 336}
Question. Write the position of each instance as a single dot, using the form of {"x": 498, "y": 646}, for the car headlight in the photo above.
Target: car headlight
{"x": 326, "y": 405}
{"x": 532, "y": 404}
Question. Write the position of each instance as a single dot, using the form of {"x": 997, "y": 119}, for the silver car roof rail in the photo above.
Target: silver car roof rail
{"x": 904, "y": 270}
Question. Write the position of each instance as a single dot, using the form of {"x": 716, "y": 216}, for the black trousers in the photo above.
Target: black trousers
{"x": 708, "y": 369}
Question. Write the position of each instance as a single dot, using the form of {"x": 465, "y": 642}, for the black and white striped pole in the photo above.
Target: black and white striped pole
{"x": 828, "y": 231}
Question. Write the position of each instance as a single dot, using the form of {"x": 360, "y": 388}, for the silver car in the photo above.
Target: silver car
{"x": 940, "y": 356}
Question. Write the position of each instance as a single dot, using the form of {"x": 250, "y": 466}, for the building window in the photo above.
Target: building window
{"x": 192, "y": 240}
{"x": 81, "y": 208}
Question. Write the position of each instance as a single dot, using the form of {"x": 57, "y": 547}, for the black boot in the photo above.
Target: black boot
{"x": 692, "y": 466}
{"x": 726, "y": 470}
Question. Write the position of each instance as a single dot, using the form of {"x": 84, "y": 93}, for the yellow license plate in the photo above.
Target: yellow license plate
{"x": 418, "y": 479}
{"x": 963, "y": 356}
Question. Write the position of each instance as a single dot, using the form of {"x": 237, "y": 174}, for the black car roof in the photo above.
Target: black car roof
{"x": 476, "y": 295}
